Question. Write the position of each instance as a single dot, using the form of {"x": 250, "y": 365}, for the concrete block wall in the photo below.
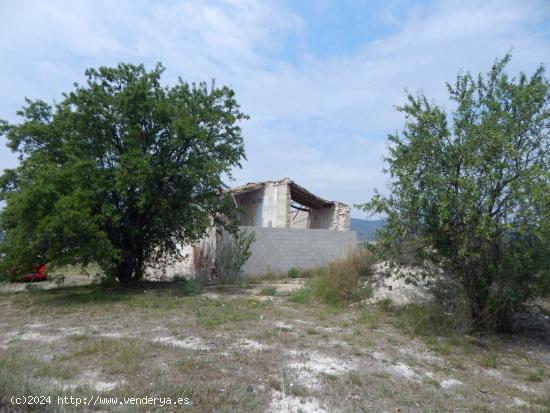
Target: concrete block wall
{"x": 279, "y": 249}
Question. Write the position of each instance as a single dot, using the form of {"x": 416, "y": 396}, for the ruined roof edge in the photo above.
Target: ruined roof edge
{"x": 252, "y": 186}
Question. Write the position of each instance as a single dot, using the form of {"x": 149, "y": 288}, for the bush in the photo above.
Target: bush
{"x": 234, "y": 255}
{"x": 270, "y": 290}
{"x": 340, "y": 282}
{"x": 222, "y": 261}
{"x": 302, "y": 296}
{"x": 430, "y": 319}
{"x": 472, "y": 186}
{"x": 293, "y": 272}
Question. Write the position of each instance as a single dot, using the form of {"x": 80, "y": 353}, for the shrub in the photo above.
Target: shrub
{"x": 222, "y": 261}
{"x": 270, "y": 290}
{"x": 340, "y": 282}
{"x": 430, "y": 319}
{"x": 535, "y": 376}
{"x": 446, "y": 314}
{"x": 472, "y": 186}
{"x": 385, "y": 305}
{"x": 293, "y": 272}
{"x": 234, "y": 254}
{"x": 302, "y": 296}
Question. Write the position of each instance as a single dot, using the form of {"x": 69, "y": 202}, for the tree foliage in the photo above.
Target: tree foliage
{"x": 475, "y": 188}
{"x": 119, "y": 171}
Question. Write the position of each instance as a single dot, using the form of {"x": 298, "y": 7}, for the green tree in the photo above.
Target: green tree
{"x": 476, "y": 189}
{"x": 119, "y": 172}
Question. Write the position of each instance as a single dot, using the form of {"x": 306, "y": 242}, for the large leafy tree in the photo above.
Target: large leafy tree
{"x": 474, "y": 188}
{"x": 119, "y": 172}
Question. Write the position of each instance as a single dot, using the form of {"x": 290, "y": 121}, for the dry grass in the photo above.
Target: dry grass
{"x": 238, "y": 350}
{"x": 340, "y": 282}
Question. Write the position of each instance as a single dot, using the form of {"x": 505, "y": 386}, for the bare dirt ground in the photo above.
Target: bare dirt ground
{"x": 247, "y": 348}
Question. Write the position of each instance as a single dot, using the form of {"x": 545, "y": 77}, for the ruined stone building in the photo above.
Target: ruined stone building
{"x": 285, "y": 204}
{"x": 293, "y": 228}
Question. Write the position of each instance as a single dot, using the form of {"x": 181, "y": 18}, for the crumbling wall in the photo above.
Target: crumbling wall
{"x": 299, "y": 219}
{"x": 274, "y": 212}
{"x": 321, "y": 218}
{"x": 336, "y": 216}
{"x": 341, "y": 217}
{"x": 181, "y": 266}
{"x": 251, "y": 204}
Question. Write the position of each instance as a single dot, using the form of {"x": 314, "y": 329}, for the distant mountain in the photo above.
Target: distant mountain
{"x": 366, "y": 229}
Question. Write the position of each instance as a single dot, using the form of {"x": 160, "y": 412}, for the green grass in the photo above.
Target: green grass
{"x": 339, "y": 283}
{"x": 355, "y": 379}
{"x": 489, "y": 360}
{"x": 322, "y": 289}
{"x": 78, "y": 337}
{"x": 16, "y": 376}
{"x": 431, "y": 381}
{"x": 146, "y": 295}
{"x": 426, "y": 320}
{"x": 368, "y": 318}
{"x": 269, "y": 290}
{"x": 68, "y": 271}
{"x": 438, "y": 344}
{"x": 303, "y": 295}
{"x": 293, "y": 272}
{"x": 214, "y": 313}
{"x": 385, "y": 305}
{"x": 188, "y": 364}
{"x": 542, "y": 402}
{"x": 536, "y": 375}
{"x": 116, "y": 355}
{"x": 456, "y": 363}
{"x": 56, "y": 370}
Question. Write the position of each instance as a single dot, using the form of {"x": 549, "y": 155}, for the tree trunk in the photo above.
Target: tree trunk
{"x": 125, "y": 271}
{"x": 476, "y": 301}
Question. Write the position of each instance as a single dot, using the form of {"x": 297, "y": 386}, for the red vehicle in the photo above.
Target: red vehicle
{"x": 38, "y": 273}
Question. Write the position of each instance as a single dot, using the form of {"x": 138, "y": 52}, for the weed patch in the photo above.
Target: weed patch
{"x": 489, "y": 361}
{"x": 270, "y": 290}
{"x": 338, "y": 283}
{"x": 215, "y": 313}
{"x": 293, "y": 272}
{"x": 427, "y": 319}
{"x": 536, "y": 375}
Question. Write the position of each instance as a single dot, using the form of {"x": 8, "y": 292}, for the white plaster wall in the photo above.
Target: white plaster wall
{"x": 182, "y": 266}
{"x": 283, "y": 205}
{"x": 252, "y": 204}
{"x": 274, "y": 206}
{"x": 321, "y": 218}
{"x": 299, "y": 219}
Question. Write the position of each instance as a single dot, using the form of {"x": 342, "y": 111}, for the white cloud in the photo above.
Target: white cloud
{"x": 321, "y": 121}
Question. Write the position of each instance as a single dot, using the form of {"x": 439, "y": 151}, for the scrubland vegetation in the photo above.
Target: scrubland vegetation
{"x": 286, "y": 344}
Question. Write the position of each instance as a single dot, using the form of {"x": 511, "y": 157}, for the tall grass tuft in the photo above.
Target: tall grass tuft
{"x": 340, "y": 282}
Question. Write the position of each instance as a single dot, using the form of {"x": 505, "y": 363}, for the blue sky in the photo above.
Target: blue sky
{"x": 320, "y": 79}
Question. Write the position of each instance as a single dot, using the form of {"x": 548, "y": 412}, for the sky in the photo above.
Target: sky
{"x": 319, "y": 79}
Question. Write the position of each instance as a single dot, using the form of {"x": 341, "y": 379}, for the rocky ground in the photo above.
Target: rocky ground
{"x": 252, "y": 348}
